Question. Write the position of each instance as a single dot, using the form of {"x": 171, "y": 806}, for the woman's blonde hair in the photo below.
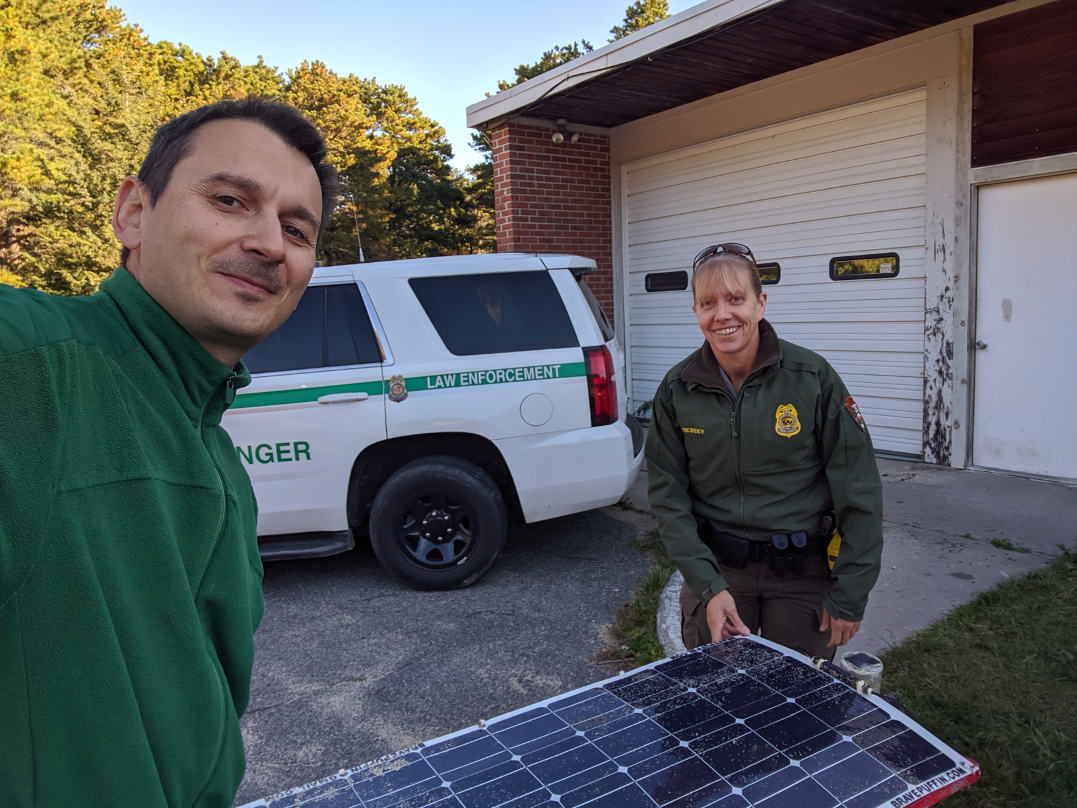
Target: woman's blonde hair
{"x": 728, "y": 269}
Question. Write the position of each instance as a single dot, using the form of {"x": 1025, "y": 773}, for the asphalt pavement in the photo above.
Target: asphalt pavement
{"x": 351, "y": 666}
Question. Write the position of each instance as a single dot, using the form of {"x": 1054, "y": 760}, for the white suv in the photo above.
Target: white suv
{"x": 426, "y": 402}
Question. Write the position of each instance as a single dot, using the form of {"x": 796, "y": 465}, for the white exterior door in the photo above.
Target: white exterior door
{"x": 849, "y": 181}
{"x": 1026, "y": 284}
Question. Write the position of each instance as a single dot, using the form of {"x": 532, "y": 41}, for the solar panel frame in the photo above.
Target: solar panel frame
{"x": 744, "y": 722}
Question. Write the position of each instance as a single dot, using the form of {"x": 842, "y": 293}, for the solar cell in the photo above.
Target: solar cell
{"x": 735, "y": 724}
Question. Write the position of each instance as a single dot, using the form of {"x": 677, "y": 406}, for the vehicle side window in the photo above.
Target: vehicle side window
{"x": 329, "y": 327}
{"x": 496, "y": 312}
{"x": 297, "y": 343}
{"x": 349, "y": 337}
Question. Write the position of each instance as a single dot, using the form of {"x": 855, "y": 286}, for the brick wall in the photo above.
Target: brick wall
{"x": 551, "y": 197}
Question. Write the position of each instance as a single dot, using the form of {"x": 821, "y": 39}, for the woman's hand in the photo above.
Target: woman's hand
{"x": 841, "y": 631}
{"x": 722, "y": 617}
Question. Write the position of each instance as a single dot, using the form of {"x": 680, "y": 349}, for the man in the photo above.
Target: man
{"x": 755, "y": 449}
{"x": 130, "y": 582}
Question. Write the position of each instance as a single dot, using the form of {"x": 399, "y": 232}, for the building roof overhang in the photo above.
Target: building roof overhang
{"x": 711, "y": 48}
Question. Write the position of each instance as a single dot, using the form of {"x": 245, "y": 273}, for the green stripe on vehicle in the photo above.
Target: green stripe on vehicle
{"x": 300, "y": 395}
{"x": 437, "y": 381}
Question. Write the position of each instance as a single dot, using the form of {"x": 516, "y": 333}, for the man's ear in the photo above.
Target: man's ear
{"x": 131, "y": 200}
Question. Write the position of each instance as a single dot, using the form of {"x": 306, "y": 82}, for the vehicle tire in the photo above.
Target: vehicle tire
{"x": 438, "y": 523}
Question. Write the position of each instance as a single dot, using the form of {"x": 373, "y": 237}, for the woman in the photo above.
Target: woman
{"x": 755, "y": 449}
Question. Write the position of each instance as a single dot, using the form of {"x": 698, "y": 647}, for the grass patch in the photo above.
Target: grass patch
{"x": 1006, "y": 544}
{"x": 997, "y": 680}
{"x": 634, "y": 628}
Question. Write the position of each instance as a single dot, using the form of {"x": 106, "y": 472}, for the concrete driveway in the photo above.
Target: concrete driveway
{"x": 351, "y": 666}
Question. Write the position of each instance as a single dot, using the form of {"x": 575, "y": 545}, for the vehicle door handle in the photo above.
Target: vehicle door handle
{"x": 333, "y": 398}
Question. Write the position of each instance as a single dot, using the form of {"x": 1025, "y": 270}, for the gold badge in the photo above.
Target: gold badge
{"x": 398, "y": 391}
{"x": 786, "y": 422}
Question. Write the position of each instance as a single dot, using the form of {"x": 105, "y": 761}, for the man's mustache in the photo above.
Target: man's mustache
{"x": 264, "y": 274}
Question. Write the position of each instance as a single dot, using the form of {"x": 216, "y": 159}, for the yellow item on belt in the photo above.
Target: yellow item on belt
{"x": 832, "y": 548}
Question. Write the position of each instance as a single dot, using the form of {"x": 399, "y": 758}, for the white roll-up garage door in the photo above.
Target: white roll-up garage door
{"x": 841, "y": 183}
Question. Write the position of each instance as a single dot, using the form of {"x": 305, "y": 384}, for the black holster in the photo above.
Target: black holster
{"x": 731, "y": 551}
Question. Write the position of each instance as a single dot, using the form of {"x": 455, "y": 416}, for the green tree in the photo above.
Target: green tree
{"x": 123, "y": 98}
{"x": 52, "y": 53}
{"x": 479, "y": 191}
{"x": 554, "y": 57}
{"x": 190, "y": 79}
{"x": 428, "y": 214}
{"x": 9, "y": 278}
{"x": 227, "y": 77}
{"x": 82, "y": 91}
{"x": 427, "y": 202}
{"x": 638, "y": 16}
{"x": 416, "y": 150}
{"x": 399, "y": 196}
{"x": 335, "y": 105}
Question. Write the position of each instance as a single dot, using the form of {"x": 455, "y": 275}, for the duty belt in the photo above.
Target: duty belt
{"x": 784, "y": 553}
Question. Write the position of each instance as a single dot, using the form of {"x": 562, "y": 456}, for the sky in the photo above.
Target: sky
{"x": 446, "y": 54}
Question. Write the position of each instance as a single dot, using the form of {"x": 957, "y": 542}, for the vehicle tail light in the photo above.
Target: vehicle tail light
{"x": 601, "y": 388}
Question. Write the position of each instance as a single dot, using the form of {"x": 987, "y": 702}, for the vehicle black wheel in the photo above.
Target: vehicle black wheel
{"x": 438, "y": 523}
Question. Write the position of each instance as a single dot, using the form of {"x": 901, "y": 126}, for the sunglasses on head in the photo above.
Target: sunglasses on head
{"x": 715, "y": 249}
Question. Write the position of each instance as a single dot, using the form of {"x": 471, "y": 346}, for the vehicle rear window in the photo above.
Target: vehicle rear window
{"x": 496, "y": 312}
{"x": 329, "y": 327}
{"x": 596, "y": 309}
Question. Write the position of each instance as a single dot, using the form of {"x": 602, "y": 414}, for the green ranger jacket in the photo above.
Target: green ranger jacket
{"x": 788, "y": 448}
{"x": 130, "y": 582}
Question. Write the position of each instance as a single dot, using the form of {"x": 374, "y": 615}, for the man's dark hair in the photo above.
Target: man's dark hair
{"x": 172, "y": 142}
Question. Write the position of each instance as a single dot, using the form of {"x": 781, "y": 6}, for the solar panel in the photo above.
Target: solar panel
{"x": 743, "y": 722}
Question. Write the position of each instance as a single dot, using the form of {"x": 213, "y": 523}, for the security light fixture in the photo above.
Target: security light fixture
{"x": 562, "y": 134}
